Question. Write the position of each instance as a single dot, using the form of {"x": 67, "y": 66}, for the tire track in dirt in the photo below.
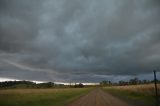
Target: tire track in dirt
{"x": 98, "y": 97}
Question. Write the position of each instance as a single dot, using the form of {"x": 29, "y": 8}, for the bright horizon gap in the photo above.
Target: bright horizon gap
{"x": 38, "y": 82}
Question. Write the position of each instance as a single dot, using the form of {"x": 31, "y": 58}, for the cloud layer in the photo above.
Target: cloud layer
{"x": 78, "y": 40}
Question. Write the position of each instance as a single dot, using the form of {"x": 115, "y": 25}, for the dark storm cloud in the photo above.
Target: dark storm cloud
{"x": 90, "y": 40}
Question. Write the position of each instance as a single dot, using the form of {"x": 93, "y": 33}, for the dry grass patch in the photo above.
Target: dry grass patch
{"x": 146, "y": 89}
{"x": 141, "y": 95}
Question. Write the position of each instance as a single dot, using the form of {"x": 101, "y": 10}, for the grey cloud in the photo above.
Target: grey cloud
{"x": 79, "y": 40}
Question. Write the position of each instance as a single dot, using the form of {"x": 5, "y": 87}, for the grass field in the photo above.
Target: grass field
{"x": 40, "y": 97}
{"x": 142, "y": 94}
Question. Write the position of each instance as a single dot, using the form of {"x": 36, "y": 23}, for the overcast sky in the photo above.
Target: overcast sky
{"x": 79, "y": 40}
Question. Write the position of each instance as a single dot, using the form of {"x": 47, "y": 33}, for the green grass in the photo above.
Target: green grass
{"x": 40, "y": 97}
{"x": 132, "y": 96}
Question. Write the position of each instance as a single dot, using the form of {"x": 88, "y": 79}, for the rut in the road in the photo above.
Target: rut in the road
{"x": 98, "y": 98}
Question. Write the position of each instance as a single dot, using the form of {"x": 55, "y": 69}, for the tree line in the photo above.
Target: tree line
{"x": 25, "y": 84}
{"x": 134, "y": 81}
{"x": 29, "y": 84}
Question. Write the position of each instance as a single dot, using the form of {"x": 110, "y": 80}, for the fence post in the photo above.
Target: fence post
{"x": 156, "y": 91}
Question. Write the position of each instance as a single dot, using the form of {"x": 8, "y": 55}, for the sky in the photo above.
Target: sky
{"x": 79, "y": 40}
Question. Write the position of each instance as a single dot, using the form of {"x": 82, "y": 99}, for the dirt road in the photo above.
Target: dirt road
{"x": 98, "y": 98}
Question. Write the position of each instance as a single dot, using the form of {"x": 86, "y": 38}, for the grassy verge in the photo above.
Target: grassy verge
{"x": 40, "y": 97}
{"x": 133, "y": 95}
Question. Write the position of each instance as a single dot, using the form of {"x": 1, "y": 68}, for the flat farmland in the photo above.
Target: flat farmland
{"x": 40, "y": 97}
{"x": 131, "y": 95}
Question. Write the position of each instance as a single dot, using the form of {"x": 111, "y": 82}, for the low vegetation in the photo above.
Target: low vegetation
{"x": 142, "y": 94}
{"x": 40, "y": 97}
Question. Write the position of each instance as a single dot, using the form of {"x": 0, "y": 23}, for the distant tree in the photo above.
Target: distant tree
{"x": 50, "y": 84}
{"x": 134, "y": 81}
{"x": 121, "y": 83}
{"x": 105, "y": 83}
{"x": 80, "y": 85}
